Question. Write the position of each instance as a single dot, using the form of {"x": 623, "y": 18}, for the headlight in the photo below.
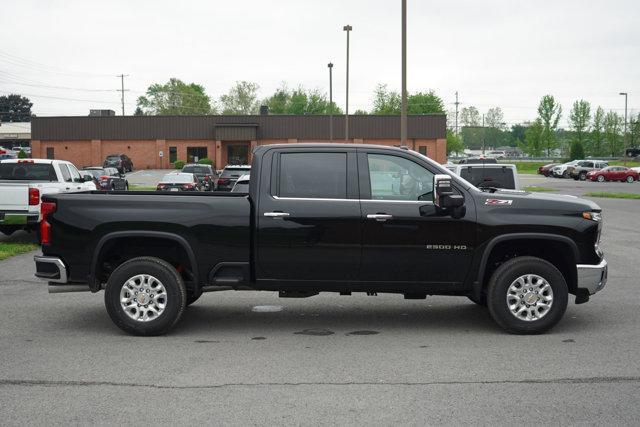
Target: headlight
{"x": 593, "y": 216}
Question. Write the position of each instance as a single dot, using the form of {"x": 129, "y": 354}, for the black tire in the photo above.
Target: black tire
{"x": 176, "y": 296}
{"x": 630, "y": 179}
{"x": 502, "y": 279}
{"x": 583, "y": 176}
{"x": 126, "y": 186}
{"x": 8, "y": 230}
{"x": 482, "y": 302}
{"x": 600, "y": 178}
{"x": 565, "y": 174}
{"x": 113, "y": 187}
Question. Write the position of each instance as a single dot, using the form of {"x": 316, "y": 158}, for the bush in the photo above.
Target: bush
{"x": 178, "y": 164}
{"x": 205, "y": 161}
{"x": 22, "y": 154}
{"x": 577, "y": 151}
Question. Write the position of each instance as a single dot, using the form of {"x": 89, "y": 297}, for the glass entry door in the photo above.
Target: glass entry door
{"x": 238, "y": 154}
{"x": 196, "y": 153}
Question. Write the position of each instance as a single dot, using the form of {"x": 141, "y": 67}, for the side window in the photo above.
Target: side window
{"x": 588, "y": 164}
{"x": 313, "y": 175}
{"x": 66, "y": 176}
{"x": 396, "y": 178}
{"x": 75, "y": 175}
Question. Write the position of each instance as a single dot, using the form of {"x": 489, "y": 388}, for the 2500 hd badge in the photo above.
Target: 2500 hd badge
{"x": 337, "y": 218}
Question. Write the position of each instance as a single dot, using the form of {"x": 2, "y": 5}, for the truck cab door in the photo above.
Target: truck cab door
{"x": 406, "y": 238}
{"x": 308, "y": 216}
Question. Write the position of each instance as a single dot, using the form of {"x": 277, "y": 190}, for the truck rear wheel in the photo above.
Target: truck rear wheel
{"x": 527, "y": 295}
{"x": 145, "y": 296}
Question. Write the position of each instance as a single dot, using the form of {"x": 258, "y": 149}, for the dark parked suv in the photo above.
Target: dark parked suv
{"x": 205, "y": 174}
{"x": 108, "y": 179}
{"x": 122, "y": 162}
{"x": 230, "y": 175}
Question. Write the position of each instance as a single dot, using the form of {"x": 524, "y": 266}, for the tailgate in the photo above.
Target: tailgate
{"x": 14, "y": 197}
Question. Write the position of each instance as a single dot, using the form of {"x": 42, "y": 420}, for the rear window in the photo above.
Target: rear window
{"x": 27, "y": 172}
{"x": 113, "y": 157}
{"x": 501, "y": 177}
{"x": 313, "y": 175}
{"x": 202, "y": 170}
{"x": 177, "y": 179}
{"x": 234, "y": 172}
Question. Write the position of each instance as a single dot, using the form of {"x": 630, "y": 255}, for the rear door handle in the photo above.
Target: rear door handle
{"x": 379, "y": 217}
{"x": 276, "y": 215}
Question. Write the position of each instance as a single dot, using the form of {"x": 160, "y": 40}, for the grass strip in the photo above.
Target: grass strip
{"x": 536, "y": 189}
{"x": 607, "y": 195}
{"x": 9, "y": 249}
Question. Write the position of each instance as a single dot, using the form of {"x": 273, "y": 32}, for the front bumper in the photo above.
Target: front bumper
{"x": 593, "y": 277}
{"x": 51, "y": 269}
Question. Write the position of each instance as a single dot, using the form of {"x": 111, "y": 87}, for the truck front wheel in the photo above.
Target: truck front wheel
{"x": 145, "y": 296}
{"x": 527, "y": 295}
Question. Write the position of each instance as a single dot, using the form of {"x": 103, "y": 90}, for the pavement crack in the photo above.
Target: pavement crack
{"x": 52, "y": 383}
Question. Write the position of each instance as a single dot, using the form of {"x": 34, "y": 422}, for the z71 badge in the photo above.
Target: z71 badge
{"x": 498, "y": 202}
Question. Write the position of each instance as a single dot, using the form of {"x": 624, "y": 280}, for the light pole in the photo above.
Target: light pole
{"x": 403, "y": 104}
{"x": 330, "y": 65}
{"x": 348, "y": 29}
{"x": 624, "y": 136}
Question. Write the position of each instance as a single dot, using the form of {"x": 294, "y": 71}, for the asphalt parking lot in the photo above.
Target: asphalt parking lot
{"x": 327, "y": 359}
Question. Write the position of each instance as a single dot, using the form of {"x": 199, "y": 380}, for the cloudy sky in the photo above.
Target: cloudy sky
{"x": 65, "y": 54}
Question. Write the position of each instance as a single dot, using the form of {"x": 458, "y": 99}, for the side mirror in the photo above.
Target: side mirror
{"x": 443, "y": 194}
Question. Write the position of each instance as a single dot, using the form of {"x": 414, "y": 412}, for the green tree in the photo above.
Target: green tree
{"x": 576, "y": 151}
{"x": 595, "y": 144}
{"x": 533, "y": 142}
{"x": 138, "y": 112}
{"x": 580, "y": 120}
{"x": 549, "y": 113}
{"x": 470, "y": 116}
{"x": 494, "y": 118}
{"x": 454, "y": 143}
{"x": 175, "y": 98}
{"x": 613, "y": 123}
{"x": 385, "y": 101}
{"x": 634, "y": 131}
{"x": 300, "y": 101}
{"x": 242, "y": 99}
{"x": 472, "y": 137}
{"x": 516, "y": 134}
{"x": 389, "y": 102}
{"x": 15, "y": 108}
{"x": 424, "y": 103}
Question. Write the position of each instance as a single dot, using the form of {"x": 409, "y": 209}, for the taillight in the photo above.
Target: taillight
{"x": 206, "y": 178}
{"x": 46, "y": 209}
{"x": 34, "y": 196}
{"x": 160, "y": 187}
{"x": 187, "y": 186}
{"x": 26, "y": 161}
{"x": 104, "y": 178}
{"x": 223, "y": 181}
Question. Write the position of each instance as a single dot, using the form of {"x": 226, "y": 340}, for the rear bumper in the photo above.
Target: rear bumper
{"x": 593, "y": 277}
{"x": 23, "y": 218}
{"x": 51, "y": 269}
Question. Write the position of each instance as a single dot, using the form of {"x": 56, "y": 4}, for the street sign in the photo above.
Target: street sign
{"x": 161, "y": 154}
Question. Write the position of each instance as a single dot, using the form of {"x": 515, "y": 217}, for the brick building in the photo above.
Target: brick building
{"x": 155, "y": 142}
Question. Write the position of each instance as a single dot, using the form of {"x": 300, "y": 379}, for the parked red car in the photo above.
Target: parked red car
{"x": 546, "y": 169}
{"x": 613, "y": 173}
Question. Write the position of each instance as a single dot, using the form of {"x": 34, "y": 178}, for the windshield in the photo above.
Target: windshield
{"x": 200, "y": 170}
{"x": 27, "y": 172}
{"x": 234, "y": 172}
{"x": 182, "y": 178}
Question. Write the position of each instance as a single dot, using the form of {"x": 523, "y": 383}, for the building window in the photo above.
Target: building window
{"x": 196, "y": 153}
{"x": 422, "y": 150}
{"x": 173, "y": 154}
{"x": 50, "y": 154}
{"x": 238, "y": 154}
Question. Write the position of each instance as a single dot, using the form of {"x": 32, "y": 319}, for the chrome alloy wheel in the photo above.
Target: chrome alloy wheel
{"x": 529, "y": 297}
{"x": 143, "y": 298}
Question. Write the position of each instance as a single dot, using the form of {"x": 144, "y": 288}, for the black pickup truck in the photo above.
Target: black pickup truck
{"x": 327, "y": 218}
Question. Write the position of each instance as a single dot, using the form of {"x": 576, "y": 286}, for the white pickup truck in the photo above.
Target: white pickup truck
{"x": 24, "y": 181}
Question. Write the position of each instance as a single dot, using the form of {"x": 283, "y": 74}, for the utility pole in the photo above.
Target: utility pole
{"x": 403, "y": 105}
{"x": 484, "y": 133}
{"x": 348, "y": 29}
{"x": 625, "y": 127}
{"x": 122, "y": 90}
{"x": 330, "y": 65}
{"x": 457, "y": 103}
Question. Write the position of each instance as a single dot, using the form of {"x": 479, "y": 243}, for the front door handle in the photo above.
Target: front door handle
{"x": 379, "y": 217}
{"x": 276, "y": 215}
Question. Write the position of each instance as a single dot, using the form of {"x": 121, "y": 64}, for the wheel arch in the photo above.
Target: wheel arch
{"x": 94, "y": 282}
{"x": 566, "y": 263}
